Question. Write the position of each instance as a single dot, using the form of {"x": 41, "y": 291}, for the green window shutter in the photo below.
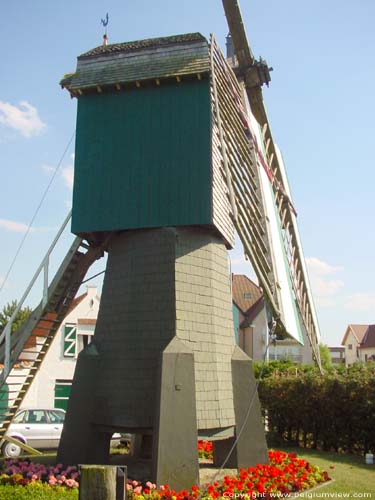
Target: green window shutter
{"x": 62, "y": 393}
{"x": 70, "y": 341}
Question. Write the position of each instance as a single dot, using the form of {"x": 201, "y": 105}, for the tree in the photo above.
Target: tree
{"x": 325, "y": 356}
{"x": 7, "y": 312}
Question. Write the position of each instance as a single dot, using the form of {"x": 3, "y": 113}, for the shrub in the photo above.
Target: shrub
{"x": 37, "y": 491}
{"x": 331, "y": 411}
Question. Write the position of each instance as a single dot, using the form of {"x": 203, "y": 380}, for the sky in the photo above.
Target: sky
{"x": 320, "y": 104}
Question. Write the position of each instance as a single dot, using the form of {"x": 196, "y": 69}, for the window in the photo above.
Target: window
{"x": 70, "y": 340}
{"x": 350, "y": 347}
{"x": 36, "y": 417}
{"x": 83, "y": 340}
{"x": 18, "y": 419}
{"x": 56, "y": 416}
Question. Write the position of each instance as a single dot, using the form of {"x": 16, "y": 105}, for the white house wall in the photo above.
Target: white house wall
{"x": 55, "y": 366}
{"x": 351, "y": 354}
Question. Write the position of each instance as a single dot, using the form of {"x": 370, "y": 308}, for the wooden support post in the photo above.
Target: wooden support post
{"x": 102, "y": 482}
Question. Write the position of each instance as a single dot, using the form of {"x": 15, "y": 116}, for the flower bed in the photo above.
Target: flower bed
{"x": 24, "y": 472}
{"x": 285, "y": 474}
{"x": 205, "y": 449}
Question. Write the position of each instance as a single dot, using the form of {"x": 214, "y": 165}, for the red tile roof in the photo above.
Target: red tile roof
{"x": 245, "y": 292}
{"x": 368, "y": 338}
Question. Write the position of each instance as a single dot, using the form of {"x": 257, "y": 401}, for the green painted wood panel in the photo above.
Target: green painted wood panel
{"x": 62, "y": 393}
{"x": 143, "y": 158}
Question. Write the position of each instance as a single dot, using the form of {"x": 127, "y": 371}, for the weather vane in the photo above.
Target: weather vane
{"x": 105, "y": 22}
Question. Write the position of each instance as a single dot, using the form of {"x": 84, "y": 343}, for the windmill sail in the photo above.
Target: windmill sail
{"x": 291, "y": 289}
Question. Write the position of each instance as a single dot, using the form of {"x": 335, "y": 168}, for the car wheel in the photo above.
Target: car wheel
{"x": 11, "y": 450}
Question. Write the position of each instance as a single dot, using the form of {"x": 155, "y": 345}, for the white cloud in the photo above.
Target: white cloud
{"x": 68, "y": 176}
{"x": 21, "y": 227}
{"x": 324, "y": 285}
{"x": 321, "y": 268}
{"x": 361, "y": 302}
{"x": 14, "y": 226}
{"x": 24, "y": 118}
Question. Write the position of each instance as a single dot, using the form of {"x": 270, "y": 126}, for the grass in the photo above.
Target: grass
{"x": 350, "y": 473}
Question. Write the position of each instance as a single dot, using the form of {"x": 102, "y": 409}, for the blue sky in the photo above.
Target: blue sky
{"x": 320, "y": 105}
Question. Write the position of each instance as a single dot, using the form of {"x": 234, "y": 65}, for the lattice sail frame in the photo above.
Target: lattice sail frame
{"x": 243, "y": 152}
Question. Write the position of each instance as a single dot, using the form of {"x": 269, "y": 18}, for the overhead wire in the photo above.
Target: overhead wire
{"x": 20, "y": 246}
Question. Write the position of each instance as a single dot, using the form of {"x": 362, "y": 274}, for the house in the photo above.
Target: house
{"x": 367, "y": 346}
{"x": 251, "y": 326}
{"x": 337, "y": 355}
{"x": 249, "y": 316}
{"x": 359, "y": 343}
{"x": 51, "y": 385}
{"x": 351, "y": 341}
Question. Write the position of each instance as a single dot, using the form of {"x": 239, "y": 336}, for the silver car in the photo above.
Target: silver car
{"x": 38, "y": 428}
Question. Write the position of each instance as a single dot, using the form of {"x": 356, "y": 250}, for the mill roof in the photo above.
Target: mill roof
{"x": 137, "y": 61}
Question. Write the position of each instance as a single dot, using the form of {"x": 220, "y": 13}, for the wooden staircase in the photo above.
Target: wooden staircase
{"x": 23, "y": 351}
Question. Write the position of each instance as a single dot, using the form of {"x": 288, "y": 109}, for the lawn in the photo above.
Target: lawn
{"x": 350, "y": 473}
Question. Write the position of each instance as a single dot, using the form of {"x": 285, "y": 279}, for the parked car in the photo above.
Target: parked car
{"x": 38, "y": 428}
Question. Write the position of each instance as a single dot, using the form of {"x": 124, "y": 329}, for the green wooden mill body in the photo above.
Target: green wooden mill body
{"x": 145, "y": 155}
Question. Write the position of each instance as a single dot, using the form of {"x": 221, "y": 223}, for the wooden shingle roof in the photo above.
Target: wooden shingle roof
{"x": 151, "y": 59}
{"x": 143, "y": 44}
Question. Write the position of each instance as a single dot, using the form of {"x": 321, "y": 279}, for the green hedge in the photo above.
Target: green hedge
{"x": 37, "y": 491}
{"x": 334, "y": 411}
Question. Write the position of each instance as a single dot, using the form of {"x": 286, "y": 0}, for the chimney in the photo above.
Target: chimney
{"x": 105, "y": 40}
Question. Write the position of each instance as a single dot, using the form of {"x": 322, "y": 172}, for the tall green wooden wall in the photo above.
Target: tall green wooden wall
{"x": 143, "y": 158}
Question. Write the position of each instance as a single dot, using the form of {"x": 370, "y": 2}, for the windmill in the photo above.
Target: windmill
{"x": 169, "y": 161}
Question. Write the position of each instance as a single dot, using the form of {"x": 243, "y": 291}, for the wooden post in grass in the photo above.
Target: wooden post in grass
{"x": 99, "y": 482}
